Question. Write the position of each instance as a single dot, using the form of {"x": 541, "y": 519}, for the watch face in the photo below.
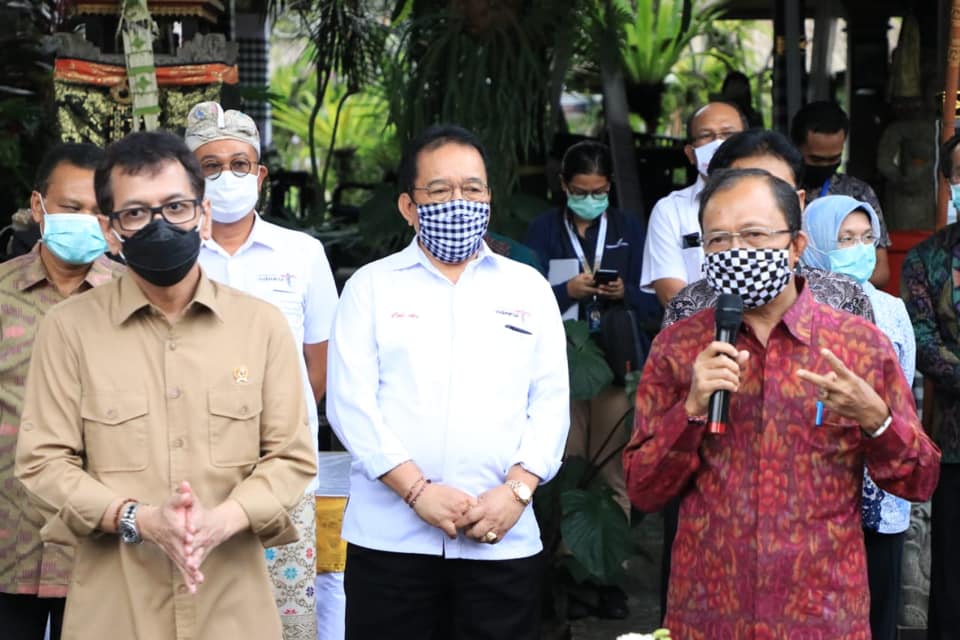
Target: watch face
{"x": 128, "y": 534}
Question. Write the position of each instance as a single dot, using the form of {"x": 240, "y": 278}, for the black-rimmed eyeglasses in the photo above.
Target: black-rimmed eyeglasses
{"x": 136, "y": 218}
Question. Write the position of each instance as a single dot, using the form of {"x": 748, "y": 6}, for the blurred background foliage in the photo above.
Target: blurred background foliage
{"x": 354, "y": 80}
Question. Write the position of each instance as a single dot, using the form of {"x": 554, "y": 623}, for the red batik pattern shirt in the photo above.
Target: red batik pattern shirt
{"x": 770, "y": 543}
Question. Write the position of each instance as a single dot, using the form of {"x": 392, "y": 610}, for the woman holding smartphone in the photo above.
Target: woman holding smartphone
{"x": 592, "y": 254}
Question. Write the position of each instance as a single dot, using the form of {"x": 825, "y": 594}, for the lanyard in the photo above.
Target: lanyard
{"x": 825, "y": 188}
{"x": 578, "y": 250}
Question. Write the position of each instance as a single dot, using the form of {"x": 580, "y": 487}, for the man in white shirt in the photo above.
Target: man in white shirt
{"x": 448, "y": 384}
{"x": 672, "y": 255}
{"x": 289, "y": 269}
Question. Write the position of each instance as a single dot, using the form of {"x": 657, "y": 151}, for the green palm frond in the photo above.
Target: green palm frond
{"x": 655, "y": 38}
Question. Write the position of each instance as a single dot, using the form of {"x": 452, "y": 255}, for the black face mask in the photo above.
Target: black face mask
{"x": 162, "y": 253}
{"x": 814, "y": 175}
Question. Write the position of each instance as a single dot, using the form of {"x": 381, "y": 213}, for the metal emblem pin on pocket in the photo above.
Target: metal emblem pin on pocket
{"x": 241, "y": 375}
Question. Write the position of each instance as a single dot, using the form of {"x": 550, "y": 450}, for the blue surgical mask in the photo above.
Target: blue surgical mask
{"x": 857, "y": 261}
{"x": 955, "y": 196}
{"x": 588, "y": 207}
{"x": 74, "y": 238}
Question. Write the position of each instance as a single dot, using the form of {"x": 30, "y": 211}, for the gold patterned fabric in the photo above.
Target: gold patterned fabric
{"x": 331, "y": 548}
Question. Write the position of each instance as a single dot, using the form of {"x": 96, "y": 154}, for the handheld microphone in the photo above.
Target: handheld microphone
{"x": 729, "y": 314}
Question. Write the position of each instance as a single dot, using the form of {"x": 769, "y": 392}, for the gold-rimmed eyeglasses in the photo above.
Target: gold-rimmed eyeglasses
{"x": 753, "y": 237}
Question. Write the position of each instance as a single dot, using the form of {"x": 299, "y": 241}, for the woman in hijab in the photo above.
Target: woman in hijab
{"x": 843, "y": 234}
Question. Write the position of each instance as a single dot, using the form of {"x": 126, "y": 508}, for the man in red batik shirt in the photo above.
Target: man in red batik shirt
{"x": 769, "y": 543}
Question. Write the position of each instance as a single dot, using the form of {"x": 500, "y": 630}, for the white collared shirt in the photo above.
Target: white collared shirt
{"x": 290, "y": 270}
{"x": 464, "y": 379}
{"x": 665, "y": 254}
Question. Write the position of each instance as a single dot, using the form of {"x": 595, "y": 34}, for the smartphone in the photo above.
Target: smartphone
{"x": 605, "y": 276}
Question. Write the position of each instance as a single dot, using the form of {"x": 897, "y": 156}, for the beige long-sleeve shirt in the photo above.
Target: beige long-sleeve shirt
{"x": 122, "y": 404}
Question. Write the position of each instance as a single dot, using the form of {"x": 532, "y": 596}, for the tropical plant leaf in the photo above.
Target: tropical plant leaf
{"x": 655, "y": 39}
{"x": 596, "y": 532}
{"x": 589, "y": 372}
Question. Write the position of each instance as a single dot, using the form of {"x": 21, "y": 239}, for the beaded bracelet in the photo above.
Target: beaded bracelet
{"x": 419, "y": 493}
{"x": 413, "y": 488}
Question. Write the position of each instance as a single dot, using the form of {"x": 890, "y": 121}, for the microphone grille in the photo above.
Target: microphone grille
{"x": 729, "y": 311}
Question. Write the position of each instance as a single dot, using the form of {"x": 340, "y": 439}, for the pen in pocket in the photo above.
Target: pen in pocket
{"x": 517, "y": 329}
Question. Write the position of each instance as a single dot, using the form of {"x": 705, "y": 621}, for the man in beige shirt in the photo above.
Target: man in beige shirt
{"x": 164, "y": 407}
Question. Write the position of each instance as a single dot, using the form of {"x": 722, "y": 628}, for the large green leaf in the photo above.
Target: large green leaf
{"x": 596, "y": 532}
{"x": 589, "y": 372}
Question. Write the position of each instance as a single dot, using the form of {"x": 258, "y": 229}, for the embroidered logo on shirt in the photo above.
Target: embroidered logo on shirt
{"x": 521, "y": 314}
{"x": 277, "y": 277}
{"x": 241, "y": 375}
{"x": 405, "y": 314}
{"x": 619, "y": 243}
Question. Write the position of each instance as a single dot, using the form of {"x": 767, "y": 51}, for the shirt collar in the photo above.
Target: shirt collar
{"x": 99, "y": 272}
{"x": 799, "y": 317}
{"x": 260, "y": 233}
{"x": 129, "y": 298}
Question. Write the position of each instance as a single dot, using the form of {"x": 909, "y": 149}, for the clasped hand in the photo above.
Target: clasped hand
{"x": 187, "y": 531}
{"x": 450, "y": 509}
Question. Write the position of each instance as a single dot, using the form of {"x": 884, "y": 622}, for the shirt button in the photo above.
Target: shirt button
{"x": 178, "y": 443}
{"x": 173, "y": 393}
{"x": 182, "y": 589}
{"x": 243, "y": 410}
{"x": 111, "y": 413}
{"x": 172, "y": 345}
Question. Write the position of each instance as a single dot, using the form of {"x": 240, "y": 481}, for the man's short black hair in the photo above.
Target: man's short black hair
{"x": 758, "y": 142}
{"x": 429, "y": 139}
{"x": 783, "y": 194}
{"x": 79, "y": 154}
{"x": 588, "y": 157}
{"x": 743, "y": 118}
{"x": 946, "y": 155}
{"x": 823, "y": 116}
{"x": 145, "y": 151}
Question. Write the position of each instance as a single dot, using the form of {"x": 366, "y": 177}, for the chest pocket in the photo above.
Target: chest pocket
{"x": 837, "y": 436}
{"x": 234, "y": 425}
{"x": 115, "y": 430}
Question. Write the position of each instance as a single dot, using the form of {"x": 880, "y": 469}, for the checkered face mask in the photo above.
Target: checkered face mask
{"x": 452, "y": 231}
{"x": 756, "y": 275}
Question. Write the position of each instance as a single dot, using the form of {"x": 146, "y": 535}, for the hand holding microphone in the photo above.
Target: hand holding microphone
{"x": 716, "y": 371}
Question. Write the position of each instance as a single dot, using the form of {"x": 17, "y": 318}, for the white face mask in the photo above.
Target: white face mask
{"x": 231, "y": 198}
{"x": 705, "y": 155}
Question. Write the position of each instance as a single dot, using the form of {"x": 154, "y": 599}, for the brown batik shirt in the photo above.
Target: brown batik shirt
{"x": 27, "y": 566}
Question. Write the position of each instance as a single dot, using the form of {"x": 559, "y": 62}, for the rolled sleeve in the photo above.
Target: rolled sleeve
{"x": 353, "y": 368}
{"x": 548, "y": 404}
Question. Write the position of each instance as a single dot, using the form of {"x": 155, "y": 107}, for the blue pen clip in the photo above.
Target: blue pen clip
{"x": 819, "y": 420}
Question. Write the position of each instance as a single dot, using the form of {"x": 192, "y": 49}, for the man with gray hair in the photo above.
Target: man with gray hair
{"x": 769, "y": 542}
{"x": 290, "y": 270}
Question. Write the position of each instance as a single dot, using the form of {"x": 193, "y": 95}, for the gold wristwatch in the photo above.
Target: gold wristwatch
{"x": 521, "y": 491}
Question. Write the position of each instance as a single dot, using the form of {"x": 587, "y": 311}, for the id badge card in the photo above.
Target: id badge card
{"x": 593, "y": 316}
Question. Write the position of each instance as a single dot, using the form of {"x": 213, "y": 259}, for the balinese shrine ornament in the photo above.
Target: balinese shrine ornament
{"x": 138, "y": 31}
